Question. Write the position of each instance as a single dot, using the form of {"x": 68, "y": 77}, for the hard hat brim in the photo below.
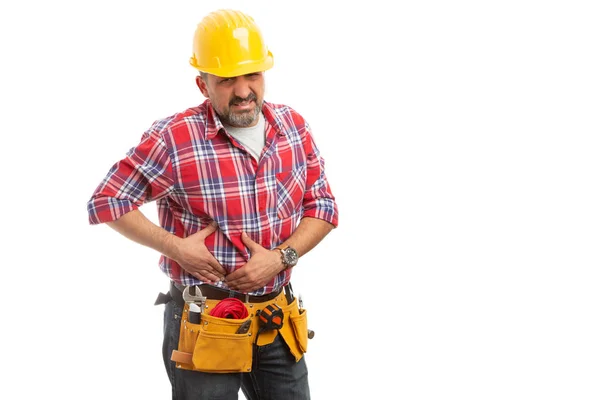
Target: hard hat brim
{"x": 239, "y": 69}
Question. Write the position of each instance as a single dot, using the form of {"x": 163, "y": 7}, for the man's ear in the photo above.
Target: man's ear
{"x": 202, "y": 86}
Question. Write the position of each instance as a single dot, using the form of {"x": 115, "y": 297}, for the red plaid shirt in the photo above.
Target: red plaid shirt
{"x": 197, "y": 173}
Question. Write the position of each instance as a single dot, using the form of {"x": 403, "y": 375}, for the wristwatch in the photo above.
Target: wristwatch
{"x": 289, "y": 256}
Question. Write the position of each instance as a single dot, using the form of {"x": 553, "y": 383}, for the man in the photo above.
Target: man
{"x": 241, "y": 193}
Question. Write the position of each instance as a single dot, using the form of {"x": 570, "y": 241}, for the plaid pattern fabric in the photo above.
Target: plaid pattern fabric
{"x": 197, "y": 173}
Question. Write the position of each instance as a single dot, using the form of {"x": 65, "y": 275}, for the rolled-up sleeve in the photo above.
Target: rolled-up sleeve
{"x": 318, "y": 201}
{"x": 144, "y": 175}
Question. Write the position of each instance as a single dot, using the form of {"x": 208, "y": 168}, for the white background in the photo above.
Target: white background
{"x": 461, "y": 141}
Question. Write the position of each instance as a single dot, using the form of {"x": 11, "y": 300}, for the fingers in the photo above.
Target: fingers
{"x": 198, "y": 261}
{"x": 241, "y": 281}
{"x": 234, "y": 277}
{"x": 209, "y": 230}
{"x": 239, "y": 286}
{"x": 244, "y": 287}
{"x": 208, "y": 270}
{"x": 217, "y": 268}
{"x": 246, "y": 240}
{"x": 251, "y": 244}
{"x": 207, "y": 277}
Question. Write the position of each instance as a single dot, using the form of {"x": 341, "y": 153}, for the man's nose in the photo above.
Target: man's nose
{"x": 241, "y": 88}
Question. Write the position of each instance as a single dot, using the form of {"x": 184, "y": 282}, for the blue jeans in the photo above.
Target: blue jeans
{"x": 275, "y": 373}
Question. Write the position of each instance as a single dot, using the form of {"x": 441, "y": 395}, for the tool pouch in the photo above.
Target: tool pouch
{"x": 213, "y": 345}
{"x": 295, "y": 330}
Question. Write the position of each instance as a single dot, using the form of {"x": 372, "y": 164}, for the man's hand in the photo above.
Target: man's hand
{"x": 263, "y": 265}
{"x": 191, "y": 253}
{"x": 194, "y": 257}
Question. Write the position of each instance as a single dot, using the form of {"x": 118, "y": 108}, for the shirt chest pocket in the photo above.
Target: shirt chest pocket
{"x": 291, "y": 185}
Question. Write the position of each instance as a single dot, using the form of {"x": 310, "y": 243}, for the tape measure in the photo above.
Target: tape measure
{"x": 271, "y": 317}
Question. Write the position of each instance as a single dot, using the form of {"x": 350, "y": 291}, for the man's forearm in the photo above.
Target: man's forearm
{"x": 135, "y": 226}
{"x": 308, "y": 234}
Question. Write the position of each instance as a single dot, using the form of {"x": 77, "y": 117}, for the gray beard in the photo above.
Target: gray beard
{"x": 241, "y": 120}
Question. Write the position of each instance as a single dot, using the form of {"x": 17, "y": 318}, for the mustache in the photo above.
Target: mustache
{"x": 237, "y": 99}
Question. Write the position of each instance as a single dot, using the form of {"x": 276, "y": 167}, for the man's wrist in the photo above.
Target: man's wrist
{"x": 289, "y": 256}
{"x": 171, "y": 246}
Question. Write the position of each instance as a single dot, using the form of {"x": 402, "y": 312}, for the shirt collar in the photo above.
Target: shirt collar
{"x": 213, "y": 123}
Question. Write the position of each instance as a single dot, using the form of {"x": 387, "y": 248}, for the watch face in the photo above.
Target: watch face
{"x": 291, "y": 257}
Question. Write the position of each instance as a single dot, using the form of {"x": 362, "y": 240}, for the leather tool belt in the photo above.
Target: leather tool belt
{"x": 215, "y": 293}
{"x": 214, "y": 345}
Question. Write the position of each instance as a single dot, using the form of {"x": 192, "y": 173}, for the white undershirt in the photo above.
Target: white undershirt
{"x": 252, "y": 137}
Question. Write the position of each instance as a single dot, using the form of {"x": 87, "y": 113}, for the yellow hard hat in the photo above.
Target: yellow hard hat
{"x": 228, "y": 43}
